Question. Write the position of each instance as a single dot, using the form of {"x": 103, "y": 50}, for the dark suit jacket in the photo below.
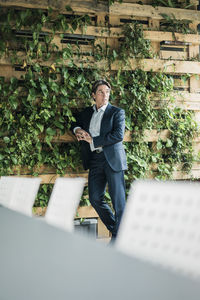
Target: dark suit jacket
{"x": 110, "y": 138}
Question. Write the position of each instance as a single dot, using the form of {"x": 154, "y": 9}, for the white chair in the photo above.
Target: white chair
{"x": 63, "y": 202}
{"x": 161, "y": 224}
{"x": 19, "y": 193}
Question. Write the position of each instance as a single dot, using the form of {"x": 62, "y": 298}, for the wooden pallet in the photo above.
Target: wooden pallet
{"x": 81, "y": 213}
{"x": 174, "y": 51}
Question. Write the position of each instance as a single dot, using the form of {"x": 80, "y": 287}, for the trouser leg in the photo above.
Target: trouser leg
{"x": 97, "y": 185}
{"x": 116, "y": 187}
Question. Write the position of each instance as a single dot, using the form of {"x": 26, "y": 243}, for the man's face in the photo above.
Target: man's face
{"x": 102, "y": 95}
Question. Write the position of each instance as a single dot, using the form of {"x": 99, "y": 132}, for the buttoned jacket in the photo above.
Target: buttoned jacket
{"x": 110, "y": 138}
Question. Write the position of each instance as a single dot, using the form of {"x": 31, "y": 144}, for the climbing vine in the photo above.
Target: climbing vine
{"x": 38, "y": 107}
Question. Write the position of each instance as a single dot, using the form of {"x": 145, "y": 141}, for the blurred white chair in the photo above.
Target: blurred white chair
{"x": 63, "y": 202}
{"x": 161, "y": 224}
{"x": 19, "y": 193}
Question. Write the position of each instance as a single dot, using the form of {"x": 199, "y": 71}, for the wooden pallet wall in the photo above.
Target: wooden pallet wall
{"x": 176, "y": 54}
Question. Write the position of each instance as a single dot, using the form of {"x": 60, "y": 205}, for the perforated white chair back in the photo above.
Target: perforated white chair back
{"x": 19, "y": 193}
{"x": 161, "y": 224}
{"x": 63, "y": 202}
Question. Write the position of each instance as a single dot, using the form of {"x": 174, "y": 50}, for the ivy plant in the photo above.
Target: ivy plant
{"x": 39, "y": 105}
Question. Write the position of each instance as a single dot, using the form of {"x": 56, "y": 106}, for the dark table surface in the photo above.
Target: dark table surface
{"x": 40, "y": 262}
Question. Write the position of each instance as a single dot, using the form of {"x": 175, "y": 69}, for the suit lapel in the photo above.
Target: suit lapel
{"x": 88, "y": 118}
{"x": 106, "y": 117}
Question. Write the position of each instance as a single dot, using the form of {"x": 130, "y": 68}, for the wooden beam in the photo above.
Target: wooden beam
{"x": 159, "y": 36}
{"x": 155, "y": 65}
{"x": 51, "y": 178}
{"x": 39, "y": 4}
{"x": 116, "y": 32}
{"x": 158, "y": 65}
{"x": 83, "y": 7}
{"x": 86, "y": 212}
{"x": 82, "y": 212}
{"x": 83, "y": 61}
{"x": 185, "y": 100}
{"x": 177, "y": 175}
{"x": 129, "y": 9}
{"x": 86, "y": 7}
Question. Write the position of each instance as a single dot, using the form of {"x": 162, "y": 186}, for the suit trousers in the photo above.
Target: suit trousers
{"x": 101, "y": 174}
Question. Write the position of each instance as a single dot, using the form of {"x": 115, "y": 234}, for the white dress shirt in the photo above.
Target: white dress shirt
{"x": 95, "y": 124}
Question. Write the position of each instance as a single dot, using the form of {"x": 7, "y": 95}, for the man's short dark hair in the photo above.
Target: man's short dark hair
{"x": 99, "y": 82}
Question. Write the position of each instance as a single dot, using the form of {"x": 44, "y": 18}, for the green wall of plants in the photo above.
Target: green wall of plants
{"x": 40, "y": 104}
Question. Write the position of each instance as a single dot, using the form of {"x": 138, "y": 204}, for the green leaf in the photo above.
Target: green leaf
{"x": 169, "y": 143}
{"x": 68, "y": 8}
{"x": 58, "y": 124}
{"x": 14, "y": 160}
{"x": 22, "y": 120}
{"x": 159, "y": 145}
{"x": 6, "y": 139}
{"x": 50, "y": 131}
{"x": 64, "y": 92}
{"x": 40, "y": 126}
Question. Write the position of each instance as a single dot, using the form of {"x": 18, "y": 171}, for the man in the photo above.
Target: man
{"x": 101, "y": 130}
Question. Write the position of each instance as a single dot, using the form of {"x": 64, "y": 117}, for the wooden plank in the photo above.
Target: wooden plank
{"x": 149, "y": 2}
{"x": 91, "y": 6}
{"x": 80, "y": 61}
{"x": 86, "y": 7}
{"x": 182, "y": 96}
{"x": 39, "y": 211}
{"x": 154, "y": 24}
{"x": 8, "y": 71}
{"x": 189, "y": 101}
{"x": 67, "y": 137}
{"x": 114, "y": 20}
{"x": 193, "y": 25}
{"x": 51, "y": 178}
{"x": 187, "y": 105}
{"x": 101, "y": 19}
{"x": 149, "y": 11}
{"x": 156, "y": 65}
{"x": 197, "y": 117}
{"x": 59, "y": 42}
{"x": 194, "y": 51}
{"x": 194, "y": 84}
{"x": 173, "y": 55}
{"x": 103, "y": 232}
{"x": 196, "y": 147}
{"x": 159, "y": 36}
{"x": 178, "y": 174}
{"x": 113, "y": 32}
{"x": 40, "y": 4}
{"x": 82, "y": 212}
{"x": 154, "y": 135}
{"x": 149, "y": 135}
{"x": 155, "y": 48}
{"x": 86, "y": 212}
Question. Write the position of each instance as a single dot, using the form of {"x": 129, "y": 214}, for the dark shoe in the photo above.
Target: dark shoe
{"x": 112, "y": 240}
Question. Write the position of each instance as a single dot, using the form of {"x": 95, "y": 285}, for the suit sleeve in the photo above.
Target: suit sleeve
{"x": 77, "y": 123}
{"x": 117, "y": 133}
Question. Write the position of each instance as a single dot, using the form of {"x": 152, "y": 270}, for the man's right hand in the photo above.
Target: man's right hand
{"x": 80, "y": 134}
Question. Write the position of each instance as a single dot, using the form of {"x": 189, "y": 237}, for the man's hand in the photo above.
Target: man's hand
{"x": 83, "y": 135}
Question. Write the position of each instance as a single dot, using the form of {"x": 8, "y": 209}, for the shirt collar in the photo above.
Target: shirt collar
{"x": 103, "y": 108}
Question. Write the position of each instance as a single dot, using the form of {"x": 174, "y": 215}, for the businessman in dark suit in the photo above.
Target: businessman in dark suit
{"x": 100, "y": 129}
